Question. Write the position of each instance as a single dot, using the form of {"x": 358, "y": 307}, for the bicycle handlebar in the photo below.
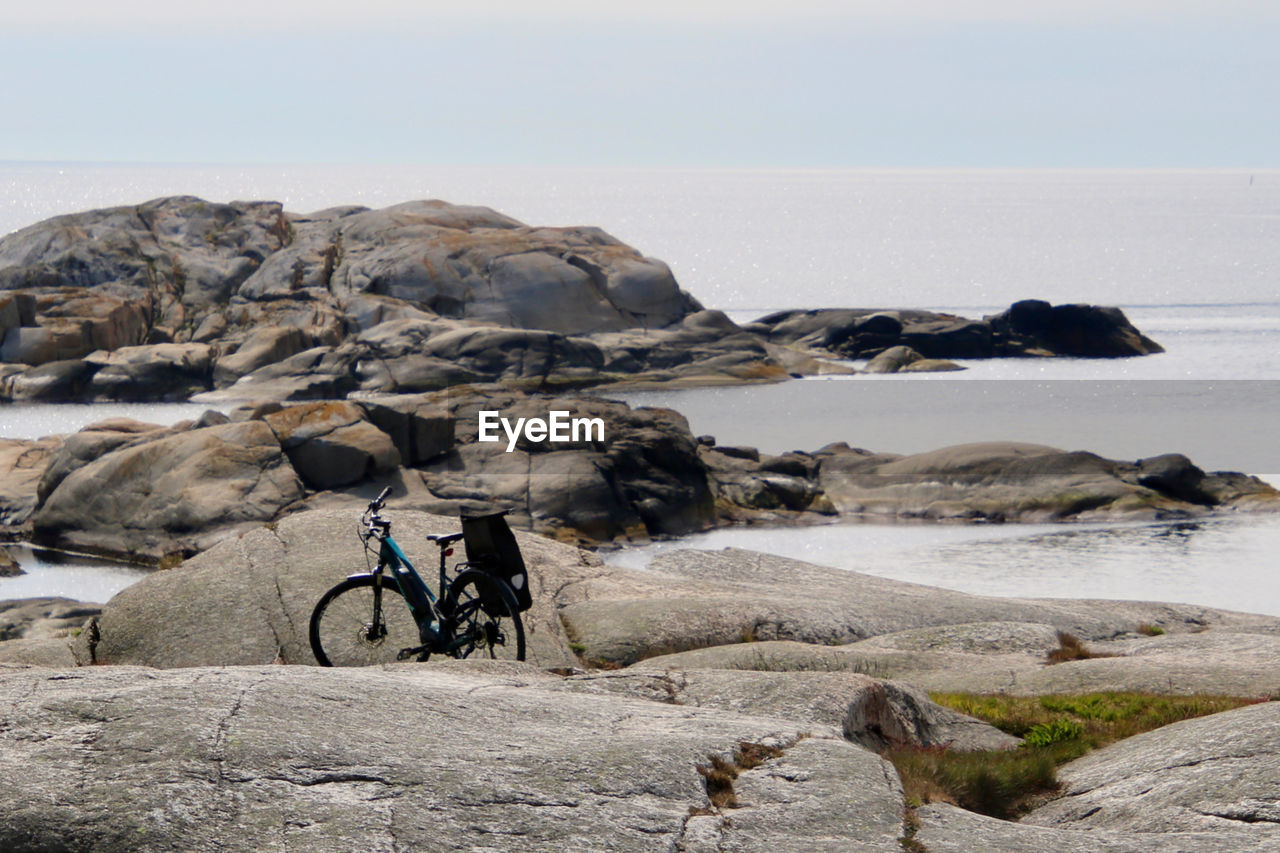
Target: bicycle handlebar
{"x": 376, "y": 503}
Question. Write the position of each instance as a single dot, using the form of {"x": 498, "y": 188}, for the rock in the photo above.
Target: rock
{"x": 1086, "y": 331}
{"x": 81, "y": 448}
{"x": 53, "y": 382}
{"x": 43, "y": 618}
{"x": 947, "y": 829}
{"x": 1005, "y": 481}
{"x": 697, "y": 599}
{"x": 643, "y": 478}
{"x": 932, "y": 365}
{"x": 279, "y": 758}
{"x": 9, "y": 567}
{"x": 318, "y": 373}
{"x": 893, "y": 360}
{"x": 256, "y": 592}
{"x": 263, "y": 346}
{"x": 421, "y": 431}
{"x": 178, "y": 493}
{"x": 331, "y": 444}
{"x": 1215, "y": 774}
{"x": 1004, "y": 657}
{"x": 873, "y": 713}
{"x": 1173, "y": 474}
{"x": 1028, "y": 328}
{"x": 165, "y": 372}
{"x": 22, "y": 464}
{"x": 774, "y": 485}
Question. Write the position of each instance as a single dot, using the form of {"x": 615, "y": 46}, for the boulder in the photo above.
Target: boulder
{"x": 164, "y": 372}
{"x": 1087, "y": 331}
{"x": 263, "y": 346}
{"x": 318, "y": 373}
{"x": 53, "y": 382}
{"x": 332, "y": 444}
{"x": 39, "y": 618}
{"x": 893, "y": 360}
{"x": 643, "y": 478}
{"x": 22, "y": 464}
{"x": 95, "y": 440}
{"x": 280, "y": 758}
{"x": 9, "y": 567}
{"x": 178, "y": 493}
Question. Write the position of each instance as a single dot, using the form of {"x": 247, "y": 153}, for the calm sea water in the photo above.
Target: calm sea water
{"x": 1192, "y": 256}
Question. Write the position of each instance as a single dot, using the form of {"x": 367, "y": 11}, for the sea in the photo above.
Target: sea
{"x": 1192, "y": 256}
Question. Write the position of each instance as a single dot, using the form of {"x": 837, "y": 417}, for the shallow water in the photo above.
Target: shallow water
{"x": 69, "y": 576}
{"x": 1226, "y": 562}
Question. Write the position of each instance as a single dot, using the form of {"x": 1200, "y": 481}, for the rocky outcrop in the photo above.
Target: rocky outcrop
{"x": 1010, "y": 481}
{"x": 179, "y": 297}
{"x": 282, "y": 758}
{"x": 1028, "y": 328}
{"x": 630, "y": 474}
{"x": 417, "y": 297}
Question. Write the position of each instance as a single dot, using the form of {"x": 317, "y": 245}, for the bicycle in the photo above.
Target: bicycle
{"x": 390, "y": 614}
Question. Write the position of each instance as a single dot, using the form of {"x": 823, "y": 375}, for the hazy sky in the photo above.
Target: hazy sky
{"x": 748, "y": 83}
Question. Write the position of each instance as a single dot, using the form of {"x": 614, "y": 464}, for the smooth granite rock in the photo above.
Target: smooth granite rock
{"x": 284, "y": 758}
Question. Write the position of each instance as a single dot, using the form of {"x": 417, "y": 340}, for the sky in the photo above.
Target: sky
{"x": 754, "y": 83}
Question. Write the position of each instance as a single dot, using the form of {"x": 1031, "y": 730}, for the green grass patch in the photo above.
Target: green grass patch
{"x": 1055, "y": 729}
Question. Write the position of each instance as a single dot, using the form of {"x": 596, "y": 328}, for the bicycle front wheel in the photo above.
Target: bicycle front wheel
{"x": 350, "y": 628}
{"x": 483, "y": 618}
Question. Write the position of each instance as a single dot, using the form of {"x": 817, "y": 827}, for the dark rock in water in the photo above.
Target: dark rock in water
{"x": 1028, "y": 328}
{"x": 1174, "y": 474}
{"x": 1087, "y": 331}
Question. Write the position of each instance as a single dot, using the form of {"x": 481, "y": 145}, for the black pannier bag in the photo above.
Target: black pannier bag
{"x": 491, "y": 547}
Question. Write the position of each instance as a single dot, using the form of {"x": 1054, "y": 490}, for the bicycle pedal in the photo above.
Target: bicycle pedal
{"x": 405, "y": 654}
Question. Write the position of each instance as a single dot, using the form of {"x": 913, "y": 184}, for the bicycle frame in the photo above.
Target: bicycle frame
{"x": 420, "y": 598}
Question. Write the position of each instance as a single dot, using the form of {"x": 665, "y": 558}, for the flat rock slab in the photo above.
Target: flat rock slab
{"x": 695, "y": 599}
{"x": 1211, "y": 774}
{"x": 286, "y": 758}
{"x": 947, "y": 829}
{"x": 1216, "y": 662}
{"x": 867, "y": 711}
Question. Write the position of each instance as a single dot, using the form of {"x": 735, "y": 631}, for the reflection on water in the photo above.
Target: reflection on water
{"x": 1225, "y": 562}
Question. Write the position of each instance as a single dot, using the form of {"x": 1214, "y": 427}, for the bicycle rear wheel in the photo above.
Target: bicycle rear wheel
{"x": 483, "y": 618}
{"x": 348, "y": 630}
